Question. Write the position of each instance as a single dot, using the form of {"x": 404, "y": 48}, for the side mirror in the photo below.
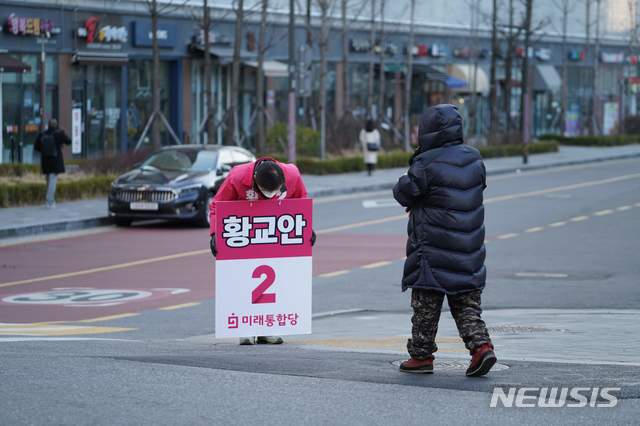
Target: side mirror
{"x": 223, "y": 169}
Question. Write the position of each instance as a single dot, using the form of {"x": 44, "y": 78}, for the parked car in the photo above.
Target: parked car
{"x": 175, "y": 182}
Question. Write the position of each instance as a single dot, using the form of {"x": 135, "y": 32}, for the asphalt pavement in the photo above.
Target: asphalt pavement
{"x": 561, "y": 304}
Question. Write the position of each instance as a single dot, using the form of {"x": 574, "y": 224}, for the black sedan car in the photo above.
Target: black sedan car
{"x": 174, "y": 183}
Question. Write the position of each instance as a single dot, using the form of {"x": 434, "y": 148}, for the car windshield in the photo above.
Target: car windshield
{"x": 183, "y": 160}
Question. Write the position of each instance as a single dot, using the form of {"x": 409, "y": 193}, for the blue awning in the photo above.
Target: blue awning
{"x": 455, "y": 83}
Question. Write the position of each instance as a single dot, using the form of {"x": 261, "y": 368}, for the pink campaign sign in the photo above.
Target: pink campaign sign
{"x": 264, "y": 229}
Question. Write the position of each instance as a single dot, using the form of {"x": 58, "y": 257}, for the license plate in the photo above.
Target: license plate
{"x": 143, "y": 206}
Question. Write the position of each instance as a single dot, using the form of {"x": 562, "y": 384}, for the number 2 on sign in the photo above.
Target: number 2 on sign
{"x": 258, "y": 294}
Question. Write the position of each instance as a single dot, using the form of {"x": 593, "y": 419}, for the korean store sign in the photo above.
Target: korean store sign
{"x": 102, "y": 36}
{"x": 30, "y": 26}
{"x": 263, "y": 268}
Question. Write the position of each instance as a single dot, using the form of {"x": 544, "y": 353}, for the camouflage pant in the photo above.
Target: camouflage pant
{"x": 466, "y": 311}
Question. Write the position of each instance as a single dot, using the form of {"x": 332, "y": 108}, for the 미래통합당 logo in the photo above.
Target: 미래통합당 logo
{"x": 554, "y": 397}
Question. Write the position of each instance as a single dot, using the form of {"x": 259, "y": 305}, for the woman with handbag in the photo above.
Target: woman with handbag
{"x": 370, "y": 140}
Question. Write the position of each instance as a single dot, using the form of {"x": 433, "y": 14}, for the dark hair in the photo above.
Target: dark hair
{"x": 369, "y": 125}
{"x": 53, "y": 123}
{"x": 268, "y": 175}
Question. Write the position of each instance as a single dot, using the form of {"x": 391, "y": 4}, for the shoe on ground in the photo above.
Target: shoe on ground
{"x": 424, "y": 366}
{"x": 482, "y": 360}
{"x": 269, "y": 340}
{"x": 247, "y": 340}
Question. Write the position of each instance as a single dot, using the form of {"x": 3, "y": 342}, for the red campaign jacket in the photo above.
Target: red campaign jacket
{"x": 239, "y": 186}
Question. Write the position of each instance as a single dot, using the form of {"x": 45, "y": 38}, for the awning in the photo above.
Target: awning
{"x": 84, "y": 57}
{"x": 435, "y": 73}
{"x": 224, "y": 54}
{"x": 466, "y": 73}
{"x": 273, "y": 69}
{"x": 10, "y": 64}
{"x": 547, "y": 79}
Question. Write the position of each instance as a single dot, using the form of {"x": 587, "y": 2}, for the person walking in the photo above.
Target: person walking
{"x": 49, "y": 145}
{"x": 264, "y": 179}
{"x": 442, "y": 192}
{"x": 370, "y": 141}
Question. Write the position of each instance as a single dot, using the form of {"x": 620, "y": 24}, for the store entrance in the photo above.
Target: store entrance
{"x": 96, "y": 91}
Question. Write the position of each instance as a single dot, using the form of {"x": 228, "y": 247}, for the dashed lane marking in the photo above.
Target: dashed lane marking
{"x": 558, "y": 224}
{"x": 508, "y": 236}
{"x": 540, "y": 275}
{"x": 183, "y": 305}
{"x": 579, "y": 218}
{"x": 624, "y": 208}
{"x": 109, "y": 318}
{"x": 534, "y": 229}
{"x": 603, "y": 212}
{"x": 334, "y": 274}
{"x": 376, "y": 265}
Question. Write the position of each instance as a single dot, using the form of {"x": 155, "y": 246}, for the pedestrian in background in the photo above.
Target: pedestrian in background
{"x": 49, "y": 145}
{"x": 445, "y": 251}
{"x": 370, "y": 140}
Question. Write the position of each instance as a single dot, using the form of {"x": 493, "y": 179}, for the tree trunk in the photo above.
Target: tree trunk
{"x": 155, "y": 96}
{"x": 493, "y": 89}
{"x": 324, "y": 36}
{"x": 407, "y": 82}
{"x": 594, "y": 123}
{"x": 381, "y": 89}
{"x": 260, "y": 86}
{"x": 372, "y": 42}
{"x": 208, "y": 95}
{"x": 232, "y": 128}
{"x": 524, "y": 93}
{"x": 565, "y": 73}
{"x": 508, "y": 83}
{"x": 346, "y": 104}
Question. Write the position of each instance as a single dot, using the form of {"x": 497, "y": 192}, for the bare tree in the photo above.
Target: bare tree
{"x": 260, "y": 90}
{"x": 381, "y": 88}
{"x": 408, "y": 78}
{"x": 493, "y": 86}
{"x": 209, "y": 103}
{"x": 565, "y": 7}
{"x": 595, "y": 98}
{"x": 525, "y": 100}
{"x": 232, "y": 131}
{"x": 157, "y": 118}
{"x": 372, "y": 42}
{"x": 346, "y": 103}
{"x": 325, "y": 7}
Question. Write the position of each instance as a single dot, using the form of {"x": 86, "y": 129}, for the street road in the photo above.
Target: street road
{"x": 115, "y": 325}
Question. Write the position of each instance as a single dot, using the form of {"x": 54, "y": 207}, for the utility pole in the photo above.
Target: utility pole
{"x": 595, "y": 99}
{"x": 381, "y": 88}
{"x": 209, "y": 117}
{"x": 524, "y": 97}
{"x": 493, "y": 89}
{"x": 292, "y": 84}
{"x": 372, "y": 43}
{"x": 345, "y": 59}
{"x": 407, "y": 82}
{"x": 43, "y": 85}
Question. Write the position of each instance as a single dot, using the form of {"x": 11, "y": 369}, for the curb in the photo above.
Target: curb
{"x": 92, "y": 222}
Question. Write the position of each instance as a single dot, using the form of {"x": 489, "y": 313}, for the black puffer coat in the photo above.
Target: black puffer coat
{"x": 48, "y": 163}
{"x": 443, "y": 190}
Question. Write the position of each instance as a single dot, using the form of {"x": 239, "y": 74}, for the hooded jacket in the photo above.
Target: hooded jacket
{"x": 239, "y": 186}
{"x": 443, "y": 192}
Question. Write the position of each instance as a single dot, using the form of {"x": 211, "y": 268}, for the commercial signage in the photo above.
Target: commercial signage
{"x": 438, "y": 51}
{"x": 30, "y": 26}
{"x": 610, "y": 118}
{"x": 76, "y": 131}
{"x": 633, "y": 59}
{"x": 216, "y": 39}
{"x": 611, "y": 58}
{"x": 99, "y": 36}
{"x": 359, "y": 45}
{"x": 541, "y": 53}
{"x": 463, "y": 52}
{"x": 142, "y": 36}
{"x": 576, "y": 55}
{"x": 263, "y": 268}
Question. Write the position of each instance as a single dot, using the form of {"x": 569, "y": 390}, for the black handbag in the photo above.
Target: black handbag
{"x": 373, "y": 147}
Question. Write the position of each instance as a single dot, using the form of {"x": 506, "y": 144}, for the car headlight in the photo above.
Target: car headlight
{"x": 190, "y": 190}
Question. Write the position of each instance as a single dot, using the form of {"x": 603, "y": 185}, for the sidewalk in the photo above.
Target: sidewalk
{"x": 75, "y": 215}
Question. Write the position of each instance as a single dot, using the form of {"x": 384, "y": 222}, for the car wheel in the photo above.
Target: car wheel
{"x": 123, "y": 222}
{"x": 202, "y": 219}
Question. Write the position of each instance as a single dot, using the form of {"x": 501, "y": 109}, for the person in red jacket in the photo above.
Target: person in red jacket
{"x": 263, "y": 179}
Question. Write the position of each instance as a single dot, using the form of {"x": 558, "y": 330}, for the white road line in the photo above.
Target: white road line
{"x": 579, "y": 218}
{"x": 637, "y": 204}
{"x": 333, "y": 274}
{"x": 183, "y": 305}
{"x": 603, "y": 212}
{"x": 507, "y": 236}
{"x": 540, "y": 275}
{"x": 376, "y": 265}
{"x": 558, "y": 224}
{"x": 534, "y": 229}
{"x": 624, "y": 208}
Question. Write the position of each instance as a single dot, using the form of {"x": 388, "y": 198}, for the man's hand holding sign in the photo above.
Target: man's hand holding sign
{"x": 261, "y": 235}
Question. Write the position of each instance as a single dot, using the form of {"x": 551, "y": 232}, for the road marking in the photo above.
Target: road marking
{"x": 109, "y": 318}
{"x": 579, "y": 218}
{"x": 558, "y": 224}
{"x": 603, "y": 212}
{"x": 534, "y": 229}
{"x": 183, "y": 305}
{"x": 59, "y": 339}
{"x": 540, "y": 275}
{"x": 320, "y": 232}
{"x": 376, "y": 265}
{"x": 508, "y": 236}
{"x": 334, "y": 274}
{"x": 378, "y": 204}
{"x": 624, "y": 208}
{"x": 105, "y": 268}
{"x": 54, "y": 329}
{"x": 637, "y": 204}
